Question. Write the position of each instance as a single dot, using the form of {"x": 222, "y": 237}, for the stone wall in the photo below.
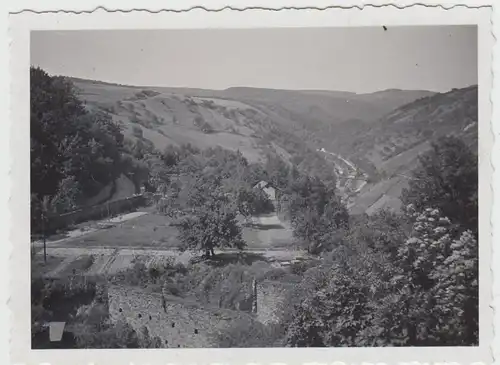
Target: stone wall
{"x": 182, "y": 324}
{"x": 271, "y": 295}
{"x": 185, "y": 324}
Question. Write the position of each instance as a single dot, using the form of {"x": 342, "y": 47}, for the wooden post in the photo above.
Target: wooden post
{"x": 254, "y": 296}
{"x": 44, "y": 239}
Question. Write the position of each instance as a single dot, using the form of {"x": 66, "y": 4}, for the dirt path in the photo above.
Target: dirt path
{"x": 113, "y": 260}
{"x": 62, "y": 266}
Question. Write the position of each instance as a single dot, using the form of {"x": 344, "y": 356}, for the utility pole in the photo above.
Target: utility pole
{"x": 254, "y": 296}
{"x": 44, "y": 239}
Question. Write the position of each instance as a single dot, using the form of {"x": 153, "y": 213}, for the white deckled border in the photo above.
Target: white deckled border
{"x": 182, "y": 5}
{"x": 200, "y": 19}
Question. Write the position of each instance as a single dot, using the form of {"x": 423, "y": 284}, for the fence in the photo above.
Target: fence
{"x": 95, "y": 212}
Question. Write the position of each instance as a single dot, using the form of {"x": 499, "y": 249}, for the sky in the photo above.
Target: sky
{"x": 364, "y": 59}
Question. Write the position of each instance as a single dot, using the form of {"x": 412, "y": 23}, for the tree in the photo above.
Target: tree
{"x": 277, "y": 171}
{"x": 435, "y": 285}
{"x": 67, "y": 196}
{"x": 447, "y": 179}
{"x": 316, "y": 213}
{"x": 334, "y": 314}
{"x": 54, "y": 108}
{"x": 212, "y": 225}
{"x": 251, "y": 201}
{"x": 47, "y": 209}
{"x": 384, "y": 231}
{"x": 72, "y": 148}
{"x": 171, "y": 156}
{"x": 456, "y": 293}
{"x": 365, "y": 294}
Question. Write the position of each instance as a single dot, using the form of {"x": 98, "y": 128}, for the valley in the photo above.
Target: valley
{"x": 223, "y": 190}
{"x": 293, "y": 125}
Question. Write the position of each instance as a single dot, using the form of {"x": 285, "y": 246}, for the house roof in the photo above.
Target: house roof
{"x": 266, "y": 184}
{"x": 262, "y": 184}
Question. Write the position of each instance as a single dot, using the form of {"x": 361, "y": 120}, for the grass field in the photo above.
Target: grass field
{"x": 155, "y": 231}
{"x": 268, "y": 234}
{"x": 150, "y": 230}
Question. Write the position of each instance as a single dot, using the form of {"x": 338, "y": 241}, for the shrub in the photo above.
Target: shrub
{"x": 422, "y": 292}
{"x": 121, "y": 335}
{"x": 447, "y": 179}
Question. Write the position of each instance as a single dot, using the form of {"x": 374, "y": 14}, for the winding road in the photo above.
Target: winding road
{"x": 355, "y": 178}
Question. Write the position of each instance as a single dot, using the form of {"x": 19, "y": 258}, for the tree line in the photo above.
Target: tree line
{"x": 75, "y": 150}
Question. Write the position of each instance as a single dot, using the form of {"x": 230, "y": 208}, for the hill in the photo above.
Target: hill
{"x": 258, "y": 122}
{"x": 380, "y": 133}
{"x": 392, "y": 144}
{"x": 254, "y": 121}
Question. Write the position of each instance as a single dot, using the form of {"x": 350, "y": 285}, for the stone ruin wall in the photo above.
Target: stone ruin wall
{"x": 270, "y": 296}
{"x": 184, "y": 324}
{"x": 181, "y": 325}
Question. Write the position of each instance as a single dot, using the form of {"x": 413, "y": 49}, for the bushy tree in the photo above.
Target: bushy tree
{"x": 211, "y": 225}
{"x": 333, "y": 310}
{"x": 456, "y": 293}
{"x": 383, "y": 231}
{"x": 67, "y": 195}
{"x": 253, "y": 201}
{"x": 443, "y": 271}
{"x": 316, "y": 213}
{"x": 54, "y": 109}
{"x": 447, "y": 179}
{"x": 277, "y": 171}
{"x": 72, "y": 148}
{"x": 434, "y": 297}
{"x": 363, "y": 294}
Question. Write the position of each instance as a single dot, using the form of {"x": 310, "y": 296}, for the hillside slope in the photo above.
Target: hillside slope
{"x": 253, "y": 121}
{"x": 393, "y": 143}
{"x": 382, "y": 132}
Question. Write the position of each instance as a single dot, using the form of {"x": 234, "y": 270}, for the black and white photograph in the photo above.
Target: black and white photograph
{"x": 251, "y": 188}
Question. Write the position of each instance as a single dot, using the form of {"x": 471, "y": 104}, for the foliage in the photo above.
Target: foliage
{"x": 443, "y": 279}
{"x": 141, "y": 275}
{"x": 60, "y": 298}
{"x": 212, "y": 225}
{"x": 109, "y": 336}
{"x": 369, "y": 292}
{"x": 59, "y": 301}
{"x": 447, "y": 179}
{"x": 253, "y": 202}
{"x": 332, "y": 316}
{"x": 75, "y": 152}
{"x": 316, "y": 213}
{"x": 383, "y": 231}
